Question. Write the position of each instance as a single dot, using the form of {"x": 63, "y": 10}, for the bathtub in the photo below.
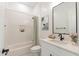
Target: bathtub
{"x": 20, "y": 49}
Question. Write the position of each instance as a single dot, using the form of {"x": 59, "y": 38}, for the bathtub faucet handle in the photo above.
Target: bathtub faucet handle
{"x": 5, "y": 51}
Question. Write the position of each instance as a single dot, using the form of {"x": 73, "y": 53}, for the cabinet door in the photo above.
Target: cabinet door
{"x": 45, "y": 51}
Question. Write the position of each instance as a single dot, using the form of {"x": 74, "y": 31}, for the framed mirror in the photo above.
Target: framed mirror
{"x": 64, "y": 18}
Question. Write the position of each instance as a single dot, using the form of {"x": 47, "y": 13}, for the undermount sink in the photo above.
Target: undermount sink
{"x": 59, "y": 41}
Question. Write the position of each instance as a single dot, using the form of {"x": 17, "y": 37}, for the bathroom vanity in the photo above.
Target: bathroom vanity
{"x": 55, "y": 48}
{"x": 64, "y": 22}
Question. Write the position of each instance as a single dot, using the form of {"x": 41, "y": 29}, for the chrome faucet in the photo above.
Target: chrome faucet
{"x": 61, "y": 38}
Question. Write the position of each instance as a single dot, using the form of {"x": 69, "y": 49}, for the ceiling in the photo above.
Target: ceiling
{"x": 35, "y": 3}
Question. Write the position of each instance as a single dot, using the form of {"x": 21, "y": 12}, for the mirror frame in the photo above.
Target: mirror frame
{"x": 53, "y": 18}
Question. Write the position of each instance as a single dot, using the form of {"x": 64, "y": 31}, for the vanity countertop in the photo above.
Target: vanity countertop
{"x": 69, "y": 47}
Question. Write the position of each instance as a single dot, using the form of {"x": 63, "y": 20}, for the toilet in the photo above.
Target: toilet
{"x": 36, "y": 50}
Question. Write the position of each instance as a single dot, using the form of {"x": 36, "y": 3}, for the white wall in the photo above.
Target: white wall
{"x": 16, "y": 15}
{"x": 2, "y": 14}
{"x": 46, "y": 10}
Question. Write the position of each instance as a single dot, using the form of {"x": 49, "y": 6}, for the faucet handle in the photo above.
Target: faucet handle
{"x": 59, "y": 34}
{"x": 61, "y": 37}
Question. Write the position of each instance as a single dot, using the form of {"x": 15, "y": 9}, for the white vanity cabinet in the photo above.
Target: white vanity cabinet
{"x": 48, "y": 49}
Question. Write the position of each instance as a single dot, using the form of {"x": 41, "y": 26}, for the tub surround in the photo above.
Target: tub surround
{"x": 20, "y": 49}
{"x": 66, "y": 45}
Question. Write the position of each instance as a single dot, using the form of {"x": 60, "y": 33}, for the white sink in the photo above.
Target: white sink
{"x": 59, "y": 41}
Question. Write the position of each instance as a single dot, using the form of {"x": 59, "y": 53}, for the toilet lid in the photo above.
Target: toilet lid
{"x": 35, "y": 48}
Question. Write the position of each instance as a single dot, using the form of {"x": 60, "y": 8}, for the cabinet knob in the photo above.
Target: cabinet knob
{"x": 50, "y": 54}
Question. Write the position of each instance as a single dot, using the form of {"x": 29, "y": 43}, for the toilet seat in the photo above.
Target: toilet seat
{"x": 36, "y": 48}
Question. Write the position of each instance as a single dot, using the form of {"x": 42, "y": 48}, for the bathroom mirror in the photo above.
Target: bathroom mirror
{"x": 64, "y": 18}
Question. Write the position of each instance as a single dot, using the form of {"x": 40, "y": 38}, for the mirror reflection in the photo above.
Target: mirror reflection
{"x": 65, "y": 18}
